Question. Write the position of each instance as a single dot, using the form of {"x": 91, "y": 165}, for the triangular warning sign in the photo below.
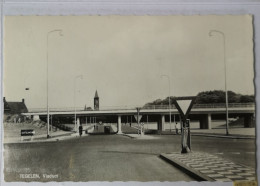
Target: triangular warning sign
{"x": 139, "y": 118}
{"x": 184, "y": 105}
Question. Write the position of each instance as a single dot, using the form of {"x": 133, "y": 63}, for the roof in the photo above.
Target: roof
{"x": 15, "y": 107}
{"x": 6, "y": 107}
{"x": 96, "y": 94}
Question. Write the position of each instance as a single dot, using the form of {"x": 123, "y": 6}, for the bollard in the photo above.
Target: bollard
{"x": 185, "y": 132}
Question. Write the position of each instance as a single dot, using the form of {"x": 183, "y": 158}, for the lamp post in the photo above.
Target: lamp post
{"x": 225, "y": 71}
{"x": 138, "y": 123}
{"x": 75, "y": 114}
{"x": 47, "y": 57}
{"x": 169, "y": 99}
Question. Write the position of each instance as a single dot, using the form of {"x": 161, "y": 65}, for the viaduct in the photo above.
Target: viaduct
{"x": 203, "y": 113}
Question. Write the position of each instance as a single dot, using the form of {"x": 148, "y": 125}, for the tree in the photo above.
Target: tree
{"x": 211, "y": 97}
{"x": 247, "y": 99}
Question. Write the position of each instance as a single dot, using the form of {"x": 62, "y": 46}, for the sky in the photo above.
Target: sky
{"x": 129, "y": 60}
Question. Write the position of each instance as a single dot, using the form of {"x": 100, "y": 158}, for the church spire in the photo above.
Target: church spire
{"x": 96, "y": 101}
{"x": 96, "y": 94}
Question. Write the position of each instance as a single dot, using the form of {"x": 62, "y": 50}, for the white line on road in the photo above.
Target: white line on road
{"x": 250, "y": 152}
{"x": 235, "y": 152}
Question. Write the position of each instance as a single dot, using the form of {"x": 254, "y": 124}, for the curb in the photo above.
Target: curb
{"x": 193, "y": 173}
{"x": 127, "y": 135}
{"x": 206, "y": 135}
{"x": 221, "y": 136}
{"x": 53, "y": 139}
{"x": 138, "y": 137}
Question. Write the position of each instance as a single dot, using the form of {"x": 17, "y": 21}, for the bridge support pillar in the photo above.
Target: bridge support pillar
{"x": 36, "y": 117}
{"x": 161, "y": 123}
{"x": 119, "y": 131}
{"x": 205, "y": 121}
{"x": 249, "y": 121}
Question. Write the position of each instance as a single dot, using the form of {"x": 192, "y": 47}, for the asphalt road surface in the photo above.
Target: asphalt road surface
{"x": 113, "y": 158}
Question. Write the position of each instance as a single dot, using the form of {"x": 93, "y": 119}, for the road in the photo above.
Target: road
{"x": 113, "y": 158}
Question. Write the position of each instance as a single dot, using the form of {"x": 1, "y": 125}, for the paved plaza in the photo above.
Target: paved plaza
{"x": 208, "y": 167}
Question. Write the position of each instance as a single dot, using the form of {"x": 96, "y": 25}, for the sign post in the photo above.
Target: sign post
{"x": 138, "y": 119}
{"x": 184, "y": 105}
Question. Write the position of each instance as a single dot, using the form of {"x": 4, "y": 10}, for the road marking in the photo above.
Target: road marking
{"x": 71, "y": 162}
{"x": 219, "y": 153}
{"x": 235, "y": 152}
{"x": 250, "y": 152}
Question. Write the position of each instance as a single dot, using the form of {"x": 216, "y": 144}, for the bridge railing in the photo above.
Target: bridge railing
{"x": 223, "y": 105}
{"x": 147, "y": 107}
{"x": 219, "y": 105}
{"x": 71, "y": 109}
{"x": 53, "y": 109}
{"x": 154, "y": 107}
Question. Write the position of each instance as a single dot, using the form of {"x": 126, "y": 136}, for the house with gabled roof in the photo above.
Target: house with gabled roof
{"x": 14, "y": 107}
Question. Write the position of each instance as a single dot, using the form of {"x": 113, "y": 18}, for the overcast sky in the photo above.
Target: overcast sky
{"x": 123, "y": 58}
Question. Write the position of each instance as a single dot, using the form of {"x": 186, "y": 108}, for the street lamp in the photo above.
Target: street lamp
{"x": 75, "y": 115}
{"x": 225, "y": 65}
{"x": 138, "y": 119}
{"x": 169, "y": 99}
{"x": 47, "y": 57}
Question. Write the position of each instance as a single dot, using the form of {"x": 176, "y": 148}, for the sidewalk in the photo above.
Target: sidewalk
{"x": 207, "y": 167}
{"x": 236, "y": 133}
{"x": 55, "y": 136}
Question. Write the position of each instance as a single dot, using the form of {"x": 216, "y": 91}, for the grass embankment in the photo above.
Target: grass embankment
{"x": 13, "y": 129}
{"x": 239, "y": 123}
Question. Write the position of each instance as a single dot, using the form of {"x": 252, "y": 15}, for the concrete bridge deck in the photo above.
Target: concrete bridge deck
{"x": 156, "y": 109}
{"x": 201, "y": 112}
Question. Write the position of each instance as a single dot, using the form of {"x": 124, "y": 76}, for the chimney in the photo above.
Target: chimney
{"x": 23, "y": 100}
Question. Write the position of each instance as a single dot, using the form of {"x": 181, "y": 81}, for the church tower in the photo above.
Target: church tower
{"x": 96, "y": 101}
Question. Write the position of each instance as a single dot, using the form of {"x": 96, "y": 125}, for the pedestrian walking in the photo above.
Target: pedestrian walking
{"x": 80, "y": 130}
{"x": 176, "y": 128}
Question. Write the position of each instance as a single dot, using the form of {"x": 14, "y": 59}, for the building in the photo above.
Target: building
{"x": 14, "y": 107}
{"x": 12, "y": 110}
{"x": 96, "y": 101}
{"x": 87, "y": 108}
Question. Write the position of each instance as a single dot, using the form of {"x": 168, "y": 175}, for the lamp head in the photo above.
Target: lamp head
{"x": 60, "y": 33}
{"x": 210, "y": 33}
{"x": 163, "y": 75}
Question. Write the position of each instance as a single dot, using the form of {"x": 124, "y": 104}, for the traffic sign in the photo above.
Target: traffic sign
{"x": 184, "y": 105}
{"x": 27, "y": 132}
{"x": 139, "y": 118}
